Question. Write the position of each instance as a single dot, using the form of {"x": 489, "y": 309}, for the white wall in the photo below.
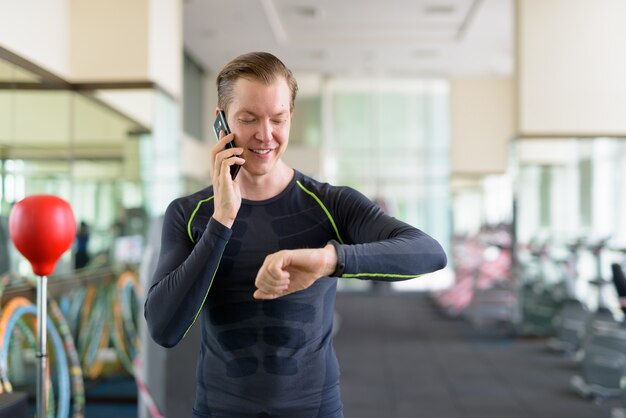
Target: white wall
{"x": 195, "y": 158}
{"x": 571, "y": 67}
{"x": 109, "y": 40}
{"x": 92, "y": 40}
{"x": 37, "y": 30}
{"x": 482, "y": 125}
{"x": 136, "y": 104}
{"x": 165, "y": 44}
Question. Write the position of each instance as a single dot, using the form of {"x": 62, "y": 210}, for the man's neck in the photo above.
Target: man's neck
{"x": 266, "y": 186}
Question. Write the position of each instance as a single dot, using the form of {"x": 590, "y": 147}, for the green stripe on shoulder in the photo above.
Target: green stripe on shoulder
{"x": 319, "y": 202}
{"x": 193, "y": 214}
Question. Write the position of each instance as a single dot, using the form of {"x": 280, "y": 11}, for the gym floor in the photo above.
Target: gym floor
{"x": 400, "y": 358}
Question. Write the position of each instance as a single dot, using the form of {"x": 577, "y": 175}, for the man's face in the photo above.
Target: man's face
{"x": 260, "y": 117}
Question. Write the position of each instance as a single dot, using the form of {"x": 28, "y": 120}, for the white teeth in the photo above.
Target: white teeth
{"x": 261, "y": 151}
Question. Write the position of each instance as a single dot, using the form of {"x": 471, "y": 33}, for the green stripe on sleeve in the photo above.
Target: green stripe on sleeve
{"x": 203, "y": 300}
{"x": 193, "y": 214}
{"x": 386, "y": 275}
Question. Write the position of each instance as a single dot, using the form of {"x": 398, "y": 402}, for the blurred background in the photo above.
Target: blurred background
{"x": 496, "y": 126}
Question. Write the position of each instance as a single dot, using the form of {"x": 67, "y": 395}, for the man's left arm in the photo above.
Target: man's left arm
{"x": 370, "y": 245}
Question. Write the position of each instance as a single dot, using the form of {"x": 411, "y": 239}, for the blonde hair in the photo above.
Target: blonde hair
{"x": 257, "y": 66}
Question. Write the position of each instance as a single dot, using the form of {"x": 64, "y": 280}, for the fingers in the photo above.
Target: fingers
{"x": 221, "y": 144}
{"x": 258, "y": 294}
{"x": 224, "y": 168}
{"x": 227, "y": 195}
{"x": 272, "y": 280}
{"x": 225, "y": 139}
{"x": 224, "y": 159}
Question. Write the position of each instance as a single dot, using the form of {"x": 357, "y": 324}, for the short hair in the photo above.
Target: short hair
{"x": 255, "y": 66}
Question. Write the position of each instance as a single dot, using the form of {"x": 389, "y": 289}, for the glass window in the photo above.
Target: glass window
{"x": 70, "y": 144}
{"x": 390, "y": 140}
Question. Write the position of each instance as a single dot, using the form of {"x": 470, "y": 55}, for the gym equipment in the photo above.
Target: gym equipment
{"x": 619, "y": 281}
{"x": 494, "y": 304}
{"x": 42, "y": 228}
{"x": 483, "y": 292}
{"x": 603, "y": 363}
{"x": 569, "y": 325}
{"x": 571, "y": 319}
{"x": 576, "y": 324}
{"x": 603, "y": 353}
{"x": 25, "y": 307}
{"x": 544, "y": 288}
{"x": 5, "y": 259}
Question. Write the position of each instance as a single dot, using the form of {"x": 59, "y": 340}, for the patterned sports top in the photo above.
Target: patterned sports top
{"x": 272, "y": 358}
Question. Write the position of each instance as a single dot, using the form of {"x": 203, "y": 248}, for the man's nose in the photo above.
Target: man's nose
{"x": 264, "y": 133}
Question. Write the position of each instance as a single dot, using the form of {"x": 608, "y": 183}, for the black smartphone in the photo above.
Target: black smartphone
{"x": 219, "y": 125}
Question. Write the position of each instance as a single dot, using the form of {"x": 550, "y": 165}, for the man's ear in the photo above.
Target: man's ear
{"x": 217, "y": 110}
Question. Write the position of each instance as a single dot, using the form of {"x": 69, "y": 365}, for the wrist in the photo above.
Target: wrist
{"x": 337, "y": 264}
{"x": 224, "y": 220}
{"x": 330, "y": 260}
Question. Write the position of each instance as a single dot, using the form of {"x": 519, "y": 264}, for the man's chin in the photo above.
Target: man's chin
{"x": 256, "y": 171}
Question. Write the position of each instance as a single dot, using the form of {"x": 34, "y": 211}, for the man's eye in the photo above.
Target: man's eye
{"x": 278, "y": 121}
{"x": 246, "y": 121}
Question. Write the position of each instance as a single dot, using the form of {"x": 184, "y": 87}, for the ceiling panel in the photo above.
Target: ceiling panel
{"x": 410, "y": 37}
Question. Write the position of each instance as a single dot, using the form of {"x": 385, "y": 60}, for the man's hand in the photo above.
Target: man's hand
{"x": 290, "y": 271}
{"x": 227, "y": 200}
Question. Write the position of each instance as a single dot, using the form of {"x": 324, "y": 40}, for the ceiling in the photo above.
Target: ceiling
{"x": 442, "y": 38}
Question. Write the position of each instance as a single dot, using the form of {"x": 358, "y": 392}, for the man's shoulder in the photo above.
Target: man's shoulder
{"x": 193, "y": 200}
{"x": 324, "y": 189}
{"x": 314, "y": 185}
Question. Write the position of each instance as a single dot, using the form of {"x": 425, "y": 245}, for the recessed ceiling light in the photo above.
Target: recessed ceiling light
{"x": 439, "y": 9}
{"x": 369, "y": 55}
{"x": 309, "y": 12}
{"x": 318, "y": 54}
{"x": 424, "y": 53}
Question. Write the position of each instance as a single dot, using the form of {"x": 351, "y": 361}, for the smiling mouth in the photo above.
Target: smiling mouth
{"x": 261, "y": 151}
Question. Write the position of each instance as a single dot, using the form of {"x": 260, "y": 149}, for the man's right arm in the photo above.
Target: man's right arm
{"x": 183, "y": 276}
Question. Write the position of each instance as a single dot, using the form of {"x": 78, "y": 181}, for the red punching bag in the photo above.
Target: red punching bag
{"x": 42, "y": 227}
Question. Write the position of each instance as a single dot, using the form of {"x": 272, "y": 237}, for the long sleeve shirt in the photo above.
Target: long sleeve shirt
{"x": 272, "y": 357}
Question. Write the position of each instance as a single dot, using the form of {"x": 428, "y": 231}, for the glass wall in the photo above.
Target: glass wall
{"x": 54, "y": 140}
{"x": 570, "y": 188}
{"x": 389, "y": 139}
{"x": 574, "y": 191}
{"x": 479, "y": 201}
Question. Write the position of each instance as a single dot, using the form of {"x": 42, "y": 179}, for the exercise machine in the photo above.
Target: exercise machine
{"x": 576, "y": 321}
{"x": 602, "y": 355}
{"x": 544, "y": 288}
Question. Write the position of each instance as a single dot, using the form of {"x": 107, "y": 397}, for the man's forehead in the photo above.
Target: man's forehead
{"x": 255, "y": 97}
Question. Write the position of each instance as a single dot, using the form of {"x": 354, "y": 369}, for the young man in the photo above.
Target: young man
{"x": 257, "y": 259}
